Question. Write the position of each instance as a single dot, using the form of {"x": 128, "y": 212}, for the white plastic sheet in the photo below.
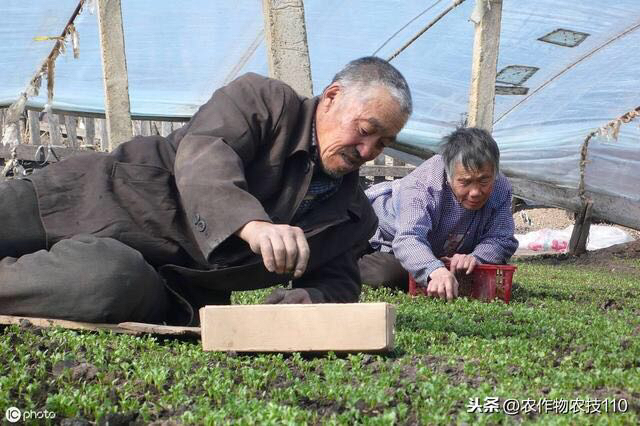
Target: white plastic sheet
{"x": 179, "y": 52}
{"x": 600, "y": 236}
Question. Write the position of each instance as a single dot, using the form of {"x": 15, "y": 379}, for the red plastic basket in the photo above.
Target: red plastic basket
{"x": 486, "y": 282}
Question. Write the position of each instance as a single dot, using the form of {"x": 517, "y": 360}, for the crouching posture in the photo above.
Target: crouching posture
{"x": 259, "y": 188}
{"x": 454, "y": 207}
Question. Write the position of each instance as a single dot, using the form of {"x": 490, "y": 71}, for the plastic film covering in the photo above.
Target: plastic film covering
{"x": 179, "y": 52}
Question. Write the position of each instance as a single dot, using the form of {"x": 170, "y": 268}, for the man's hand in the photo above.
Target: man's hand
{"x": 443, "y": 284}
{"x": 282, "y": 296}
{"x": 284, "y": 248}
{"x": 462, "y": 262}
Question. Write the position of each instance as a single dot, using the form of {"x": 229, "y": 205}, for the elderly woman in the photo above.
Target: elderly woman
{"x": 455, "y": 206}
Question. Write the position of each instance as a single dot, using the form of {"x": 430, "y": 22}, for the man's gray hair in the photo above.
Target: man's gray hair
{"x": 472, "y": 147}
{"x": 370, "y": 71}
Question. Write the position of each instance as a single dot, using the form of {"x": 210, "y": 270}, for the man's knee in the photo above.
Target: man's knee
{"x": 122, "y": 285}
{"x": 85, "y": 278}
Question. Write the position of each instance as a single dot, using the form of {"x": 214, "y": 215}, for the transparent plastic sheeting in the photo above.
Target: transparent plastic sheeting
{"x": 179, "y": 52}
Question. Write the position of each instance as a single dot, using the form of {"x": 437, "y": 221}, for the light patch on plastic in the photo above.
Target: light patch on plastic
{"x": 566, "y": 38}
{"x": 511, "y": 90}
{"x": 515, "y": 74}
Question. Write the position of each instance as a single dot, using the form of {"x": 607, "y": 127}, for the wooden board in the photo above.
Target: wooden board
{"x": 71, "y": 325}
{"x": 135, "y": 328}
{"x": 339, "y": 327}
{"x": 161, "y": 330}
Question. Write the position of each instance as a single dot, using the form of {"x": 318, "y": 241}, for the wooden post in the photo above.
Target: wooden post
{"x": 34, "y": 126}
{"x": 137, "y": 127}
{"x": 2, "y": 113}
{"x": 166, "y": 128}
{"x": 101, "y": 132}
{"x": 22, "y": 130}
{"x": 581, "y": 227}
{"x": 379, "y": 161}
{"x": 286, "y": 38}
{"x": 145, "y": 126}
{"x": 114, "y": 68}
{"x": 485, "y": 59}
{"x": 104, "y": 138}
{"x": 55, "y": 136}
{"x": 89, "y": 131}
{"x": 70, "y": 122}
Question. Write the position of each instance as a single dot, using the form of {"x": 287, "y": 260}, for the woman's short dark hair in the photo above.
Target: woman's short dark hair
{"x": 472, "y": 147}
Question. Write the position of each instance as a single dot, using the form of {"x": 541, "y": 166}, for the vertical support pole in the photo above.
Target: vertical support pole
{"x": 166, "y": 128}
{"x": 22, "y": 130}
{"x": 114, "y": 69}
{"x": 137, "y": 127}
{"x": 287, "y": 49}
{"x": 2, "y": 114}
{"x": 89, "y": 131}
{"x": 104, "y": 137}
{"x": 485, "y": 59}
{"x": 145, "y": 127}
{"x": 34, "y": 126}
{"x": 55, "y": 136}
{"x": 154, "y": 127}
{"x": 71, "y": 122}
{"x": 581, "y": 228}
{"x": 101, "y": 133}
{"x": 379, "y": 161}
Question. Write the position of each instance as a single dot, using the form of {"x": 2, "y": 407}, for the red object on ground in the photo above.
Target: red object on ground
{"x": 486, "y": 282}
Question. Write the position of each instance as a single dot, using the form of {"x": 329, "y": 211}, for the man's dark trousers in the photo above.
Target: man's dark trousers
{"x": 82, "y": 278}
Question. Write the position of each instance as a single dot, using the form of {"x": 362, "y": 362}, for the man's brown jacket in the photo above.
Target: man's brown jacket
{"x": 245, "y": 155}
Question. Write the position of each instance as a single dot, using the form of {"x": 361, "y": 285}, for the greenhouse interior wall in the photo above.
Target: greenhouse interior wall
{"x": 565, "y": 69}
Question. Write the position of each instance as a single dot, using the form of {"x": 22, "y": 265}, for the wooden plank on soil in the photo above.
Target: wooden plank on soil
{"x": 71, "y": 325}
{"x": 164, "y": 330}
{"x": 135, "y": 328}
{"x": 340, "y": 327}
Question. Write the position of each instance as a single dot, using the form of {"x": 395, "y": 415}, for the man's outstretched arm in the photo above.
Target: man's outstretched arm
{"x": 222, "y": 140}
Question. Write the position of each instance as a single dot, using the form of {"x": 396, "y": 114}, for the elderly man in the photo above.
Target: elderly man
{"x": 258, "y": 188}
{"x": 455, "y": 207}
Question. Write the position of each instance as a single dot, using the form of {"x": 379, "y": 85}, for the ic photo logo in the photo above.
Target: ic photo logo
{"x": 13, "y": 414}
